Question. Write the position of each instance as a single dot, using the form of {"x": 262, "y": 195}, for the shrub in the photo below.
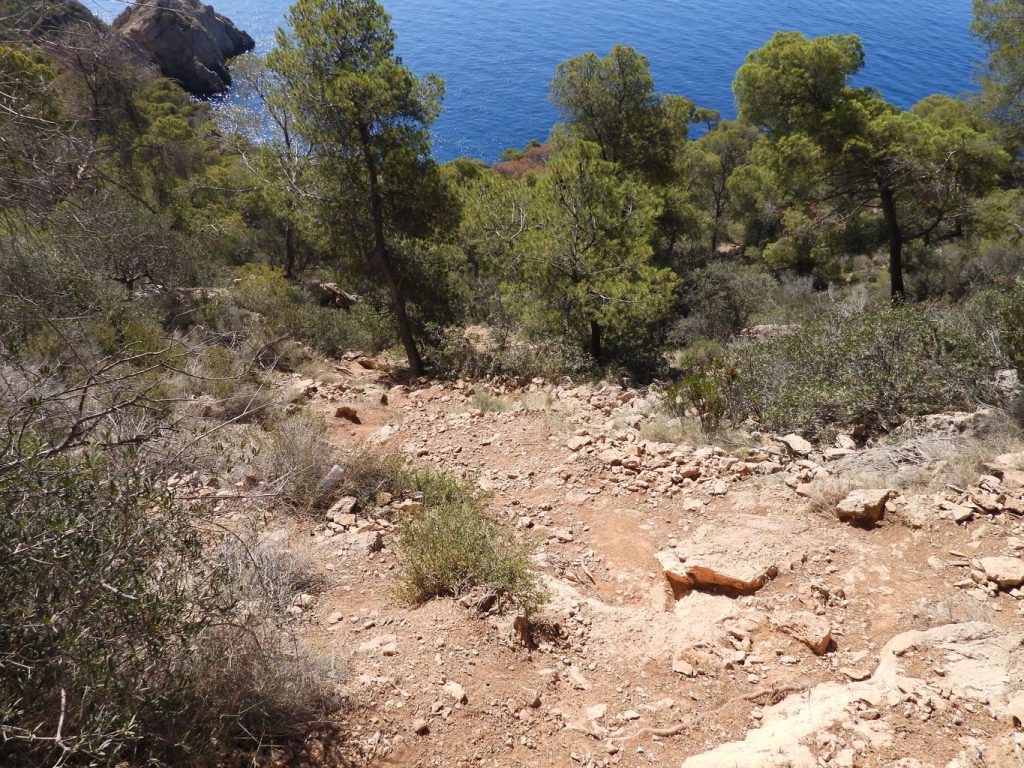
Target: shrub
{"x": 289, "y": 312}
{"x": 452, "y": 546}
{"x": 366, "y": 474}
{"x": 869, "y": 371}
{"x": 457, "y": 354}
{"x": 720, "y": 299}
{"x": 295, "y": 458}
{"x": 705, "y": 389}
{"x": 119, "y": 640}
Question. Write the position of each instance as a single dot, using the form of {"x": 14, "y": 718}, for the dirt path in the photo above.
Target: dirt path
{"x": 627, "y": 675}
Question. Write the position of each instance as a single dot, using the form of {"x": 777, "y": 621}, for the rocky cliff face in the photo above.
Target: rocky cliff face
{"x": 187, "y": 40}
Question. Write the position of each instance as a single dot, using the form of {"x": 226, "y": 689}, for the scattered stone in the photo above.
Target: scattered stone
{"x": 1006, "y": 572}
{"x": 865, "y": 506}
{"x": 797, "y": 445}
{"x": 343, "y": 508}
{"x": 597, "y": 711}
{"x": 682, "y": 667}
{"x": 846, "y": 442}
{"x": 380, "y": 644}
{"x": 813, "y": 631}
{"x": 1015, "y": 709}
{"x": 455, "y": 692}
{"x": 348, "y": 413}
{"x": 579, "y": 442}
{"x": 854, "y": 673}
{"x": 370, "y": 542}
{"x": 578, "y": 681}
{"x": 420, "y": 727}
{"x": 835, "y": 454}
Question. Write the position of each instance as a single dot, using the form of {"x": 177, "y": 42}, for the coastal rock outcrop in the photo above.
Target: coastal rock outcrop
{"x": 189, "y": 41}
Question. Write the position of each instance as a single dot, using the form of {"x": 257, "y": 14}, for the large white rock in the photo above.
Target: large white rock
{"x": 797, "y": 445}
{"x": 981, "y": 663}
{"x": 1007, "y": 572}
{"x": 865, "y": 506}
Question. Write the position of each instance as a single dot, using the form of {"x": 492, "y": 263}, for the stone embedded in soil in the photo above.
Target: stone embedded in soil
{"x": 738, "y": 558}
{"x": 579, "y": 442}
{"x": 348, "y": 413}
{"x": 380, "y": 644}
{"x": 865, "y": 506}
{"x": 682, "y": 667}
{"x": 797, "y": 445}
{"x": 345, "y": 508}
{"x": 1007, "y": 572}
{"x": 813, "y": 631}
{"x": 455, "y": 692}
{"x": 1015, "y": 708}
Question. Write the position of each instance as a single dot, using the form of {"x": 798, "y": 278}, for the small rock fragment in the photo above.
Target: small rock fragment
{"x": 455, "y": 692}
{"x": 865, "y": 506}
{"x": 813, "y": 631}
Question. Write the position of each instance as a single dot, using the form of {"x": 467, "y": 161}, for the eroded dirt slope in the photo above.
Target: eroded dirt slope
{"x": 703, "y": 611}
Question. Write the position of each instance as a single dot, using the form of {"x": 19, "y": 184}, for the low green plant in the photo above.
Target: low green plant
{"x": 452, "y": 546}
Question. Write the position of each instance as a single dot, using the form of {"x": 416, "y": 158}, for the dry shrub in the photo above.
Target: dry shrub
{"x": 295, "y": 457}
{"x": 913, "y": 462}
{"x": 366, "y": 474}
{"x": 826, "y": 494}
{"x": 122, "y": 641}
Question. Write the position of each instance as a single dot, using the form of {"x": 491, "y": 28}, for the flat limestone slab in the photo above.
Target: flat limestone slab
{"x": 739, "y": 557}
{"x": 983, "y": 664}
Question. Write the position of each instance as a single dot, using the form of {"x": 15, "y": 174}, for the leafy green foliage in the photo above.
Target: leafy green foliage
{"x": 835, "y": 149}
{"x": 452, "y": 545}
{"x": 611, "y": 103}
{"x": 868, "y": 371}
{"x": 365, "y": 118}
{"x": 288, "y": 311}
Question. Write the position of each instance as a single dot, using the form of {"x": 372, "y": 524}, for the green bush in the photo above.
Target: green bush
{"x": 452, "y": 546}
{"x": 289, "y": 312}
{"x": 120, "y": 642}
{"x": 720, "y": 300}
{"x": 868, "y": 371}
{"x": 704, "y": 389}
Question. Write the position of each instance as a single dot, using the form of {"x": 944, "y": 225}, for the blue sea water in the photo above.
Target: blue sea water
{"x": 498, "y": 56}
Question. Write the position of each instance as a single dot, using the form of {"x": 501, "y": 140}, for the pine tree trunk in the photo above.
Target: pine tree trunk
{"x": 595, "y": 341}
{"x": 289, "y": 251}
{"x": 895, "y": 234}
{"x": 384, "y": 264}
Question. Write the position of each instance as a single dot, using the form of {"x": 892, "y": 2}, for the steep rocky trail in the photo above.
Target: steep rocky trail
{"x": 702, "y": 611}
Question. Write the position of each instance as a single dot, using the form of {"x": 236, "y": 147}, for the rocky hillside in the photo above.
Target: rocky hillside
{"x": 189, "y": 41}
{"x": 764, "y": 603}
